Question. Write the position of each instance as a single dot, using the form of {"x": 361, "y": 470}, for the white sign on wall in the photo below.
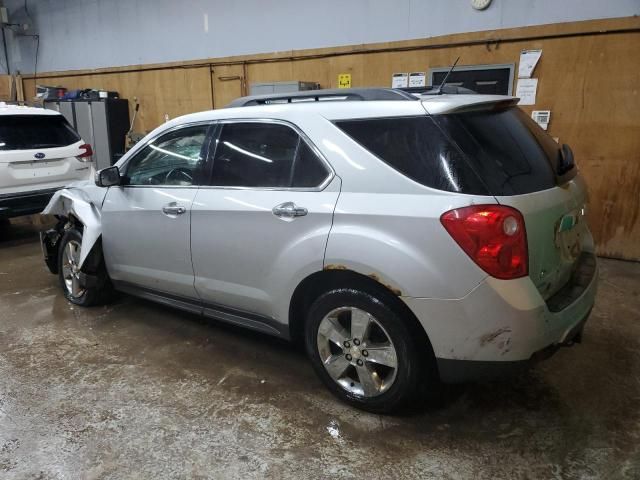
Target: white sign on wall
{"x": 417, "y": 79}
{"x": 400, "y": 80}
{"x": 526, "y": 91}
{"x": 528, "y": 61}
{"x": 542, "y": 117}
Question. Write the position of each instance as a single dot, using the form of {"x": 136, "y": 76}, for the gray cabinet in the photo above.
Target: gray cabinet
{"x": 103, "y": 124}
{"x": 281, "y": 87}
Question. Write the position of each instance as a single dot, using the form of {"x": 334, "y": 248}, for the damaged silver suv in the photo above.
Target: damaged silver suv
{"x": 404, "y": 239}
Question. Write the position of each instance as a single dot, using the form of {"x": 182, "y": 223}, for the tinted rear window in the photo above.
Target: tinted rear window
{"x": 416, "y": 147}
{"x": 508, "y": 150}
{"x": 500, "y": 152}
{"x": 22, "y": 132}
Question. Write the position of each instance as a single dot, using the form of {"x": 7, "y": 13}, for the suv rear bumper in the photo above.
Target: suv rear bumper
{"x": 24, "y": 203}
{"x": 459, "y": 371}
{"x": 505, "y": 325}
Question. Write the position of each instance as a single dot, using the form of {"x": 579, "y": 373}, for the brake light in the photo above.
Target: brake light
{"x": 86, "y": 155}
{"x": 494, "y": 236}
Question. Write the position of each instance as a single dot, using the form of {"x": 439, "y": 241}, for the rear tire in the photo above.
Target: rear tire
{"x": 363, "y": 351}
{"x": 69, "y": 274}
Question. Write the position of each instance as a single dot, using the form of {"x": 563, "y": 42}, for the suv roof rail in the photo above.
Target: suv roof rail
{"x": 357, "y": 94}
{"x": 333, "y": 94}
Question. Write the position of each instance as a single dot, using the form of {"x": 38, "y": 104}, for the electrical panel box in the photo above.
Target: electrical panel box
{"x": 103, "y": 124}
{"x": 281, "y": 87}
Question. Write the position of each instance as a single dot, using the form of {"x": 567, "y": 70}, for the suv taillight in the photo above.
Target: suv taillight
{"x": 494, "y": 236}
{"x": 86, "y": 155}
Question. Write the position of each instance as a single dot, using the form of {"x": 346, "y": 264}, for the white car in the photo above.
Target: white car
{"x": 39, "y": 154}
{"x": 402, "y": 239}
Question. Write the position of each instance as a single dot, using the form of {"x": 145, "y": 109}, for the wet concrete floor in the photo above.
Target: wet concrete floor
{"x": 135, "y": 390}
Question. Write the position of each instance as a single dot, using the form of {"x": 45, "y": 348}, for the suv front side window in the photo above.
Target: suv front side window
{"x": 173, "y": 159}
{"x": 265, "y": 155}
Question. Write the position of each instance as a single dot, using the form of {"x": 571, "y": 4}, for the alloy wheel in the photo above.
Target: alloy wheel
{"x": 71, "y": 269}
{"x": 357, "y": 352}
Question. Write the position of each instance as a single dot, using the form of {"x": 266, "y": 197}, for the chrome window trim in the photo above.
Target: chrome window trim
{"x": 325, "y": 183}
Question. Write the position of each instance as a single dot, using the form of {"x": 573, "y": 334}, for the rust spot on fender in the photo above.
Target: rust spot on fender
{"x": 491, "y": 337}
{"x": 334, "y": 266}
{"x": 395, "y": 290}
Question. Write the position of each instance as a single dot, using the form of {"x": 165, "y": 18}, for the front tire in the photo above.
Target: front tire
{"x": 362, "y": 350}
{"x": 71, "y": 276}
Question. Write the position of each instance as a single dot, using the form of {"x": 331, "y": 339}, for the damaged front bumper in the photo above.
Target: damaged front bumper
{"x": 50, "y": 243}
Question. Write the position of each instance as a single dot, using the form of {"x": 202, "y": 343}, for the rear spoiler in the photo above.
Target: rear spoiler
{"x": 489, "y": 102}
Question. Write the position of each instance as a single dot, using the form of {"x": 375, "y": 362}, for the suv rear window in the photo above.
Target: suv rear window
{"x": 497, "y": 152}
{"x": 22, "y": 132}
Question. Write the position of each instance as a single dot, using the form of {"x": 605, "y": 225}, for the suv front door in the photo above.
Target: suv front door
{"x": 146, "y": 221}
{"x": 261, "y": 225}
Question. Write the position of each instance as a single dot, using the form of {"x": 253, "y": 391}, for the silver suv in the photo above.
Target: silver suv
{"x": 402, "y": 239}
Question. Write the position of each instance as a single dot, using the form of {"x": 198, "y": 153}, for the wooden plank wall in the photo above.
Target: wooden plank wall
{"x": 589, "y": 82}
{"x": 6, "y": 82}
{"x": 174, "y": 91}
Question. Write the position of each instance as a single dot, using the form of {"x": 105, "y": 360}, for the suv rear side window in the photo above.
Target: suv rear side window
{"x": 23, "y": 132}
{"x": 265, "y": 155}
{"x": 416, "y": 147}
{"x": 497, "y": 152}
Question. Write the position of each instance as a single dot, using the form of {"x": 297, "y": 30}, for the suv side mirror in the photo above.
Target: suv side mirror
{"x": 566, "y": 162}
{"x": 108, "y": 177}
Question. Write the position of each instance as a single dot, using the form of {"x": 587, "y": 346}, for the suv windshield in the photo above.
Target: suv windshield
{"x": 483, "y": 152}
{"x": 22, "y": 132}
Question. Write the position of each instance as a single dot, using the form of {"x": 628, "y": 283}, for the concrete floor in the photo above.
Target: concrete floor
{"x": 135, "y": 390}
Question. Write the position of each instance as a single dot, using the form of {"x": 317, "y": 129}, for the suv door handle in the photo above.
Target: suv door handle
{"x": 289, "y": 210}
{"x": 173, "y": 209}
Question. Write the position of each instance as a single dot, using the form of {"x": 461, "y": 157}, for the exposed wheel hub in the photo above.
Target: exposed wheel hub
{"x": 355, "y": 352}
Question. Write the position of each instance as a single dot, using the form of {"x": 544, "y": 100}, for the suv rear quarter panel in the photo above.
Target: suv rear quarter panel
{"x": 387, "y": 226}
{"x": 402, "y": 244}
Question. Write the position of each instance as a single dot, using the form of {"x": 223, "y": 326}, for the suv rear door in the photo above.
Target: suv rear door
{"x": 39, "y": 152}
{"x": 261, "y": 225}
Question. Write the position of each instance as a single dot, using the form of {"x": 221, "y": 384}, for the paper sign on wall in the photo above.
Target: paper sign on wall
{"x": 344, "y": 80}
{"x": 528, "y": 61}
{"x": 526, "y": 91}
{"x": 417, "y": 79}
{"x": 542, "y": 117}
{"x": 400, "y": 80}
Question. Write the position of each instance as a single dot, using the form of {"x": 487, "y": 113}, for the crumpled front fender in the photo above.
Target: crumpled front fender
{"x": 80, "y": 204}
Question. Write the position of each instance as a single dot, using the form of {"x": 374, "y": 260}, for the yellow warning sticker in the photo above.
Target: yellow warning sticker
{"x": 344, "y": 80}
